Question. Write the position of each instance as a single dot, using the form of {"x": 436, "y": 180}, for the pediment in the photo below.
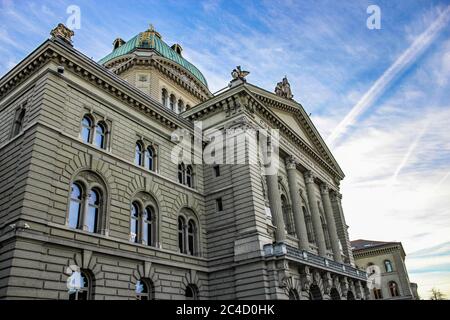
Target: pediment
{"x": 295, "y": 118}
{"x": 291, "y": 120}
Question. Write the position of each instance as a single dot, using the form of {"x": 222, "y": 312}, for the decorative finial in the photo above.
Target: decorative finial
{"x": 63, "y": 33}
{"x": 239, "y": 74}
{"x": 151, "y": 30}
{"x": 283, "y": 89}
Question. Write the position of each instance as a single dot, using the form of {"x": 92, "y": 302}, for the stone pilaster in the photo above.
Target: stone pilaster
{"x": 315, "y": 214}
{"x": 299, "y": 219}
{"x": 275, "y": 207}
{"x": 329, "y": 216}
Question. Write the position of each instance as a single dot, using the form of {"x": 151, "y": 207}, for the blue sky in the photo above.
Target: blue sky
{"x": 380, "y": 97}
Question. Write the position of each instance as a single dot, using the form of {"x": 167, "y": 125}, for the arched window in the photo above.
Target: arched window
{"x": 143, "y": 219}
{"x": 393, "y": 289}
{"x": 93, "y": 211}
{"x": 87, "y": 206}
{"x": 191, "y": 233}
{"x": 388, "y": 266}
{"x": 189, "y": 177}
{"x": 191, "y": 292}
{"x": 138, "y": 154}
{"x": 181, "y": 173}
{"x": 18, "y": 123}
{"x": 76, "y": 201}
{"x": 149, "y": 158}
{"x": 144, "y": 290}
{"x": 181, "y": 234}
{"x": 147, "y": 226}
{"x": 134, "y": 222}
{"x": 287, "y": 215}
{"x": 164, "y": 97}
{"x": 180, "y": 106}
{"x": 187, "y": 235}
{"x": 172, "y": 102}
{"x": 377, "y": 293}
{"x": 100, "y": 135}
{"x": 82, "y": 286}
{"x": 87, "y": 126}
{"x": 293, "y": 294}
{"x": 309, "y": 226}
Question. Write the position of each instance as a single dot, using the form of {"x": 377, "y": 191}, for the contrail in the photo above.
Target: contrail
{"x": 407, "y": 57}
{"x": 408, "y": 154}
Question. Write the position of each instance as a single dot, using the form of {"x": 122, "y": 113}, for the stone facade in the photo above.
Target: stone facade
{"x": 273, "y": 236}
{"x": 385, "y": 262}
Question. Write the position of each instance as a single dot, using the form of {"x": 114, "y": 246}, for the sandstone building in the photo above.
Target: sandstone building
{"x": 385, "y": 261}
{"x": 87, "y": 185}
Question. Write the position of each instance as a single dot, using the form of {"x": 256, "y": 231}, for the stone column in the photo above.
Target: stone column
{"x": 299, "y": 219}
{"x": 275, "y": 207}
{"x": 315, "y": 214}
{"x": 341, "y": 226}
{"x": 331, "y": 223}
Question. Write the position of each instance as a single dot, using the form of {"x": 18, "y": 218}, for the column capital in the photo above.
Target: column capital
{"x": 335, "y": 195}
{"x": 309, "y": 176}
{"x": 324, "y": 188}
{"x": 291, "y": 163}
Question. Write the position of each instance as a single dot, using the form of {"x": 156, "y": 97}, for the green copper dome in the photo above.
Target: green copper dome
{"x": 151, "y": 39}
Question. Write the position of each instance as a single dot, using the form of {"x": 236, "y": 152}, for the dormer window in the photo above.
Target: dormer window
{"x": 118, "y": 43}
{"x": 177, "y": 48}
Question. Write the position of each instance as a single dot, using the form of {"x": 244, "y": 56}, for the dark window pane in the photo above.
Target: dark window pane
{"x": 217, "y": 171}
{"x": 149, "y": 159}
{"x": 181, "y": 234}
{"x": 134, "y": 223}
{"x": 100, "y": 136}
{"x": 138, "y": 154}
{"x": 86, "y": 130}
{"x": 93, "y": 211}
{"x": 75, "y": 207}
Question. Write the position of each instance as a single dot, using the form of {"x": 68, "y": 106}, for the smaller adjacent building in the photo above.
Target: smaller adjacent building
{"x": 385, "y": 263}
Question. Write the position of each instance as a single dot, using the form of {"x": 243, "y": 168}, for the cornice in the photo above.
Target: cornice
{"x": 375, "y": 251}
{"x": 102, "y": 78}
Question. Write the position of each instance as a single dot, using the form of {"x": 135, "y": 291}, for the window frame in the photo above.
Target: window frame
{"x": 150, "y": 294}
{"x": 216, "y": 170}
{"x": 89, "y": 181}
{"x": 388, "y": 267}
{"x": 88, "y": 289}
{"x": 188, "y": 232}
{"x": 393, "y": 289}
{"x": 104, "y": 134}
{"x": 90, "y": 127}
{"x": 164, "y": 97}
{"x": 194, "y": 290}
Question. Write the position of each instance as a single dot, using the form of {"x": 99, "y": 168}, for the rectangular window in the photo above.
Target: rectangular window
{"x": 219, "y": 205}
{"x": 217, "y": 171}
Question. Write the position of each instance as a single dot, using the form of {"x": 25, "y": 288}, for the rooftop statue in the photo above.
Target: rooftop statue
{"x": 283, "y": 89}
{"x": 237, "y": 73}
